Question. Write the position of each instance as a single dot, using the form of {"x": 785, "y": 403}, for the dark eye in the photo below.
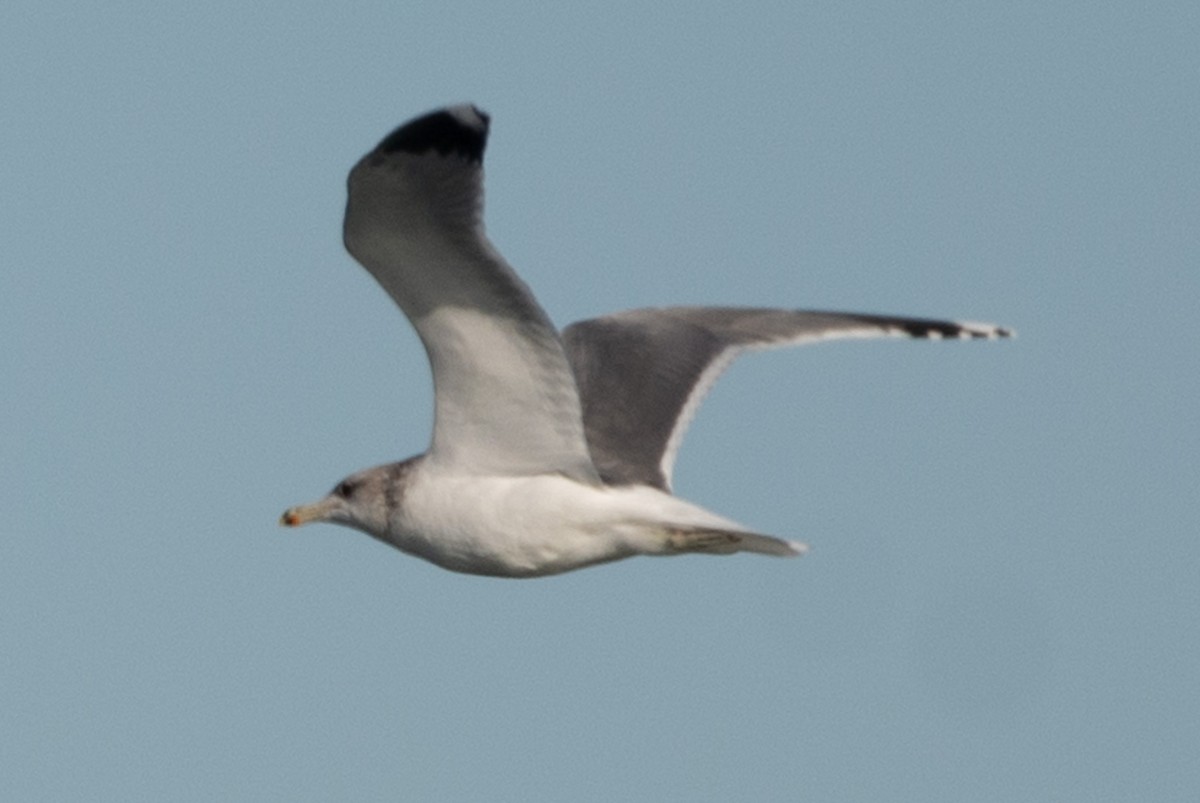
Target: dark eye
{"x": 345, "y": 489}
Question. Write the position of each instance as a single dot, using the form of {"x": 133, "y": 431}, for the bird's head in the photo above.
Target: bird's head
{"x": 365, "y": 501}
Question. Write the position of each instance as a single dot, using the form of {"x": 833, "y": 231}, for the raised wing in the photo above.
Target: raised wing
{"x": 506, "y": 400}
{"x": 643, "y": 373}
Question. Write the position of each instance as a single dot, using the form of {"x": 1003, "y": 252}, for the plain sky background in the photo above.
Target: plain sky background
{"x": 1003, "y": 598}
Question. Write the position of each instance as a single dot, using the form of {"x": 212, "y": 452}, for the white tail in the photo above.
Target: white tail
{"x": 712, "y": 541}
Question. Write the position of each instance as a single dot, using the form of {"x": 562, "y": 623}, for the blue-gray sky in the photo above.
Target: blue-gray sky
{"x": 1002, "y": 601}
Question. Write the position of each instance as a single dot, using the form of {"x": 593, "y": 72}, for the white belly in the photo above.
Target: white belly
{"x": 536, "y": 525}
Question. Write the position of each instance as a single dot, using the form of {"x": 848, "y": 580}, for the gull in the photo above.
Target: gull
{"x": 550, "y": 451}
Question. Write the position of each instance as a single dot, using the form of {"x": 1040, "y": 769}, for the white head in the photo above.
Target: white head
{"x": 366, "y": 501}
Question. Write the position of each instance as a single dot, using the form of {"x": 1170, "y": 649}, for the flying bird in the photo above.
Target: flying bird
{"x": 551, "y": 451}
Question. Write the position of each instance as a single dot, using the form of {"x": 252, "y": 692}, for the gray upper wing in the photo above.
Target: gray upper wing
{"x": 643, "y": 373}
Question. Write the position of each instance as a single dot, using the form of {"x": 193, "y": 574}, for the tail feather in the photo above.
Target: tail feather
{"x": 713, "y": 541}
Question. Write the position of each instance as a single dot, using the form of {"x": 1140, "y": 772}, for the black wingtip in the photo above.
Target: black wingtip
{"x": 456, "y": 130}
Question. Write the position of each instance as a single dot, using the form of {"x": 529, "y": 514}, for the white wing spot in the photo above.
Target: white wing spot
{"x": 468, "y": 115}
